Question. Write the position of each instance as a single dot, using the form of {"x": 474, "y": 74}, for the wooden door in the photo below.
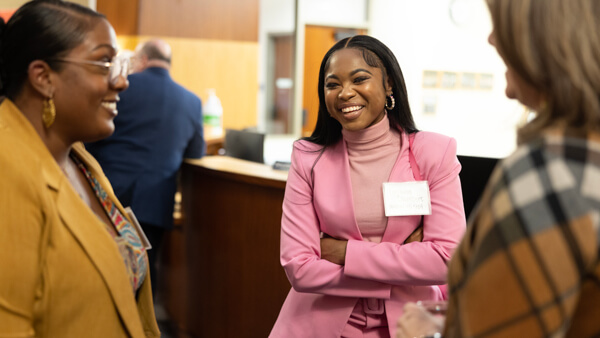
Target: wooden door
{"x": 282, "y": 84}
{"x": 317, "y": 41}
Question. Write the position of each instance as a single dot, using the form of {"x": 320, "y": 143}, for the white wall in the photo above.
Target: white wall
{"x": 339, "y": 13}
{"x": 10, "y": 4}
{"x": 275, "y": 17}
{"x": 424, "y": 37}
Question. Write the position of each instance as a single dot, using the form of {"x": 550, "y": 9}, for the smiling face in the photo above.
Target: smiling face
{"x": 86, "y": 101}
{"x": 355, "y": 93}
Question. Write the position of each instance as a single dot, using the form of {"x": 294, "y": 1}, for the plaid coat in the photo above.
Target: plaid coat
{"x": 528, "y": 264}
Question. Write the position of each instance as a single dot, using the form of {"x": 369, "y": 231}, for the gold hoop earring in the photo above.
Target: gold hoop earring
{"x": 49, "y": 112}
{"x": 392, "y": 102}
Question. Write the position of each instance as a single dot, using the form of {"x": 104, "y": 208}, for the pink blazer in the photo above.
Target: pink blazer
{"x": 318, "y": 198}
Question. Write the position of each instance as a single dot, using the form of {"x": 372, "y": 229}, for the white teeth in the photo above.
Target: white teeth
{"x": 110, "y": 105}
{"x": 350, "y": 109}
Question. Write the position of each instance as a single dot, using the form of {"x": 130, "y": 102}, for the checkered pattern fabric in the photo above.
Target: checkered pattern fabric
{"x": 528, "y": 265}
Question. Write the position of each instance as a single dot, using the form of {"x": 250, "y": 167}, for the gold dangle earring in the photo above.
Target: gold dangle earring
{"x": 49, "y": 112}
{"x": 392, "y": 102}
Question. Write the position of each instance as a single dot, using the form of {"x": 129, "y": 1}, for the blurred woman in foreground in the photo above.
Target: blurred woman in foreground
{"x": 528, "y": 265}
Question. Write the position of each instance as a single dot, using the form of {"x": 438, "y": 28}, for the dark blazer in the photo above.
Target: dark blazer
{"x": 158, "y": 125}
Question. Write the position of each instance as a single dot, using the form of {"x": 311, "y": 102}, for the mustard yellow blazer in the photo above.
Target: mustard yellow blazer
{"x": 61, "y": 273}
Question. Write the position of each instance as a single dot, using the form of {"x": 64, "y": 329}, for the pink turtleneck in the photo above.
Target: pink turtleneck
{"x": 372, "y": 153}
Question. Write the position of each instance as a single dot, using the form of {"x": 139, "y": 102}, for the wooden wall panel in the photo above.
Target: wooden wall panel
{"x": 215, "y": 45}
{"x": 122, "y": 14}
{"x": 6, "y": 4}
{"x": 282, "y": 96}
{"x": 200, "y": 19}
{"x": 14, "y": 4}
{"x": 230, "y": 67}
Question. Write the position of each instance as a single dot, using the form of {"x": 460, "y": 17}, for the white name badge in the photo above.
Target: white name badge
{"x": 406, "y": 198}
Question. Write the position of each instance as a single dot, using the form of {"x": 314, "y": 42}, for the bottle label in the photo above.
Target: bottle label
{"x": 212, "y": 120}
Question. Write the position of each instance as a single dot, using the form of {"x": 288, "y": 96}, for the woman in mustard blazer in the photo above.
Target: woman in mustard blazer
{"x": 71, "y": 262}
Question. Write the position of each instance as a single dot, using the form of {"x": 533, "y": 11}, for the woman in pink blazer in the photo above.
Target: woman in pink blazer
{"x": 351, "y": 267}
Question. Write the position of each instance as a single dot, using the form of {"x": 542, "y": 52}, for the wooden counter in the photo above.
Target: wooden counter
{"x": 221, "y": 275}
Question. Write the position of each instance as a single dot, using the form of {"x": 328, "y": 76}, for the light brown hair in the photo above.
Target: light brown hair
{"x": 554, "y": 45}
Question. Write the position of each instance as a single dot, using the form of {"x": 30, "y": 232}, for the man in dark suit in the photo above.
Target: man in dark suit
{"x": 158, "y": 125}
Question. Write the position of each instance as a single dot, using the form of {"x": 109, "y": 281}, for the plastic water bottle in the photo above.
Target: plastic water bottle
{"x": 213, "y": 115}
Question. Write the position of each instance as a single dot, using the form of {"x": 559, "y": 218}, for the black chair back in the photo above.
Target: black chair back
{"x": 473, "y": 178}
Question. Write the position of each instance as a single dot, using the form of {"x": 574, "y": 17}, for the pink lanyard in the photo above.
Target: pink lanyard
{"x": 412, "y": 160}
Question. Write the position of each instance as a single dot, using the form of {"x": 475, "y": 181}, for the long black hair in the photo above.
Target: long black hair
{"x": 40, "y": 30}
{"x": 328, "y": 130}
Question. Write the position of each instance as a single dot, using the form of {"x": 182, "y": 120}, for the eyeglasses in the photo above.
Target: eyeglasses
{"x": 119, "y": 66}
